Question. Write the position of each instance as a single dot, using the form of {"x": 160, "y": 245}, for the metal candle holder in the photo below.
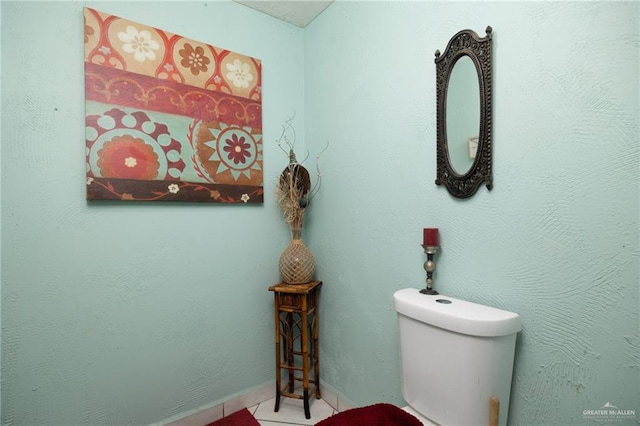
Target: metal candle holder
{"x": 429, "y": 266}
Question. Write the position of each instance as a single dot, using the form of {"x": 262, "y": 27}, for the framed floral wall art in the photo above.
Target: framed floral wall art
{"x": 169, "y": 118}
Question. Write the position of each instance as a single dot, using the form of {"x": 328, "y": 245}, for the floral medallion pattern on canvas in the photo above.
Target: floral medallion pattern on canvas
{"x": 169, "y": 118}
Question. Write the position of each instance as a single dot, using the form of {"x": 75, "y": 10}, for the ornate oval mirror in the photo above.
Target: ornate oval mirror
{"x": 463, "y": 88}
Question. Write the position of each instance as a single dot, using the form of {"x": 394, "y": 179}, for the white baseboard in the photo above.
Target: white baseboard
{"x": 215, "y": 411}
{"x": 335, "y": 398}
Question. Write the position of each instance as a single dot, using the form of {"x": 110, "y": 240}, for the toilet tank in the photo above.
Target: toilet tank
{"x": 455, "y": 356}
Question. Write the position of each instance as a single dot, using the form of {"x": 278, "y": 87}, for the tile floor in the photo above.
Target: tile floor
{"x": 291, "y": 412}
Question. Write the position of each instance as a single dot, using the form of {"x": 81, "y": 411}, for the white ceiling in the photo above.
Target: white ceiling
{"x": 296, "y": 12}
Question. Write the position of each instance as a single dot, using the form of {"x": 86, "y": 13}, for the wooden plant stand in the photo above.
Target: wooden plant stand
{"x": 296, "y": 332}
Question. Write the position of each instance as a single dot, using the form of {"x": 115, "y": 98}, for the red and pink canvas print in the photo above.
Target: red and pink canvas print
{"x": 169, "y": 118}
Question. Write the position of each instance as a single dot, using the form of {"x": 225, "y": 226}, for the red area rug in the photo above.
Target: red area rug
{"x": 239, "y": 418}
{"x": 373, "y": 415}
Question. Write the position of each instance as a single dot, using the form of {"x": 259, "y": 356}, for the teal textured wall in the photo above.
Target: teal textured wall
{"x": 133, "y": 313}
{"x": 129, "y": 313}
{"x": 556, "y": 240}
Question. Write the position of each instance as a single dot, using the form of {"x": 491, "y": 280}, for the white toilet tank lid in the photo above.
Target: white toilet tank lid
{"x": 456, "y": 315}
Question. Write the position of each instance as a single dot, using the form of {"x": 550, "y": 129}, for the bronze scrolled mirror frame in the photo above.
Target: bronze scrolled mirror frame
{"x": 463, "y": 180}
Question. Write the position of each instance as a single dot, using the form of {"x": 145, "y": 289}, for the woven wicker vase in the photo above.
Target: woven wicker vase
{"x": 297, "y": 264}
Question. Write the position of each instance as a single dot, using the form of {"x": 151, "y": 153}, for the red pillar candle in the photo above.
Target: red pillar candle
{"x": 431, "y": 237}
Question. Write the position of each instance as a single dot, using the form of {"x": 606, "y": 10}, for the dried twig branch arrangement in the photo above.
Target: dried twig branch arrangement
{"x": 293, "y": 190}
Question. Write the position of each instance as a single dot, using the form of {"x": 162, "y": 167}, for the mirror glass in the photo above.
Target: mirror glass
{"x": 463, "y": 115}
{"x": 463, "y": 112}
